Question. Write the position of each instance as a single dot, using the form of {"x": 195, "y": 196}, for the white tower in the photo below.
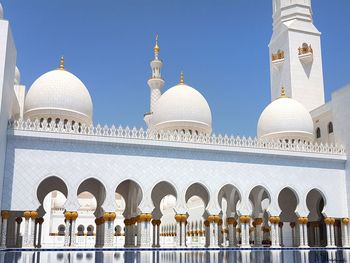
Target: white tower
{"x": 7, "y": 79}
{"x": 295, "y": 53}
{"x": 156, "y": 82}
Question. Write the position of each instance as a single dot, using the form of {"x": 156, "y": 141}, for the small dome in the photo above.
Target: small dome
{"x": 285, "y": 119}
{"x": 17, "y": 76}
{"x": 59, "y": 94}
{"x": 182, "y": 108}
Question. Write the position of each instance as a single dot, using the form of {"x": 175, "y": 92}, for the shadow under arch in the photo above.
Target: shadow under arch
{"x": 315, "y": 202}
{"x": 97, "y": 189}
{"x": 132, "y": 194}
{"x": 201, "y": 191}
{"x": 48, "y": 185}
{"x": 260, "y": 199}
{"x": 159, "y": 192}
{"x": 288, "y": 201}
{"x": 232, "y": 195}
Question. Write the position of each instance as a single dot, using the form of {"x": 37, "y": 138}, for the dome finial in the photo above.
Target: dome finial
{"x": 182, "y": 78}
{"x": 283, "y": 92}
{"x": 156, "y": 47}
{"x": 62, "y": 63}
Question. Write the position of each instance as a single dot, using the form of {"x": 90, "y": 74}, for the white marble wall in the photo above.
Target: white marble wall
{"x": 34, "y": 156}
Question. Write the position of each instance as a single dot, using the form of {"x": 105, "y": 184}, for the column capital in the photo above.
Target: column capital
{"x": 100, "y": 221}
{"x": 206, "y": 223}
{"x": 329, "y": 220}
{"x": 292, "y": 224}
{"x": 345, "y": 221}
{"x": 68, "y": 215}
{"x": 231, "y": 221}
{"x": 258, "y": 221}
{"x": 5, "y": 214}
{"x": 145, "y": 217}
{"x": 303, "y": 220}
{"x": 266, "y": 229}
{"x": 26, "y": 214}
{"x": 109, "y": 216}
{"x": 181, "y": 217}
{"x": 274, "y": 220}
{"x": 244, "y": 219}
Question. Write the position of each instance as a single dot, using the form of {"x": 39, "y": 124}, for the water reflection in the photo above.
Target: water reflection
{"x": 246, "y": 256}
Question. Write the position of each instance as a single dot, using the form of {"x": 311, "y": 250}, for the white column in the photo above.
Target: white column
{"x": 183, "y": 234}
{"x": 212, "y": 235}
{"x": 5, "y": 216}
{"x": 302, "y": 224}
{"x": 138, "y": 231}
{"x": 73, "y": 234}
{"x": 32, "y": 232}
{"x": 329, "y": 241}
{"x": 306, "y": 239}
{"x": 230, "y": 234}
{"x": 217, "y": 234}
{"x": 345, "y": 232}
{"x": 244, "y": 222}
{"x": 178, "y": 233}
{"x": 258, "y": 232}
{"x": 66, "y": 233}
{"x": 26, "y": 228}
{"x": 332, "y": 235}
{"x": 146, "y": 229}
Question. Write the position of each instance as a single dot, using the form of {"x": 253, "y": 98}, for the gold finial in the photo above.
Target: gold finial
{"x": 283, "y": 92}
{"x": 61, "y": 63}
{"x": 156, "y": 47}
{"x": 182, "y": 79}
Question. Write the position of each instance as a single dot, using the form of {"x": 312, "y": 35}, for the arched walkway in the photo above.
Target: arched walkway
{"x": 164, "y": 197}
{"x": 132, "y": 195}
{"x": 288, "y": 202}
{"x": 315, "y": 202}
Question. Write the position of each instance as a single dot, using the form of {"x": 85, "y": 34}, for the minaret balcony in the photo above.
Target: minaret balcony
{"x": 278, "y": 59}
{"x": 306, "y": 54}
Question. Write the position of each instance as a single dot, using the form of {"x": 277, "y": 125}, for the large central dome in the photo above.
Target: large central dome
{"x": 59, "y": 94}
{"x": 182, "y": 108}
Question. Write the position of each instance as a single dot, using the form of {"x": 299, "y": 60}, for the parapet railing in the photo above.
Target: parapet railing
{"x": 174, "y": 136}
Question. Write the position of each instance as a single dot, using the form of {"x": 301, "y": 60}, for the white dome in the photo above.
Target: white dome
{"x": 182, "y": 108}
{"x": 17, "y": 76}
{"x": 285, "y": 118}
{"x": 59, "y": 94}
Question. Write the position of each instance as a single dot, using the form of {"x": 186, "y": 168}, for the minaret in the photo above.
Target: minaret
{"x": 156, "y": 82}
{"x": 295, "y": 53}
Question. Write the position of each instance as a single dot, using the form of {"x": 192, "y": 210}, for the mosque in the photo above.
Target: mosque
{"x": 66, "y": 182}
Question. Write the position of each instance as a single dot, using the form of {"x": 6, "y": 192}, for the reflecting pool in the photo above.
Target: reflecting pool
{"x": 165, "y": 256}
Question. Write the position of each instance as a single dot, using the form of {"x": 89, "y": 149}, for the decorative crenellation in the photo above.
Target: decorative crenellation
{"x": 174, "y": 136}
{"x": 277, "y": 56}
{"x": 305, "y": 49}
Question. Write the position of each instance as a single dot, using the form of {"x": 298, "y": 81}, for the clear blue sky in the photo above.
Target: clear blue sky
{"x": 220, "y": 45}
